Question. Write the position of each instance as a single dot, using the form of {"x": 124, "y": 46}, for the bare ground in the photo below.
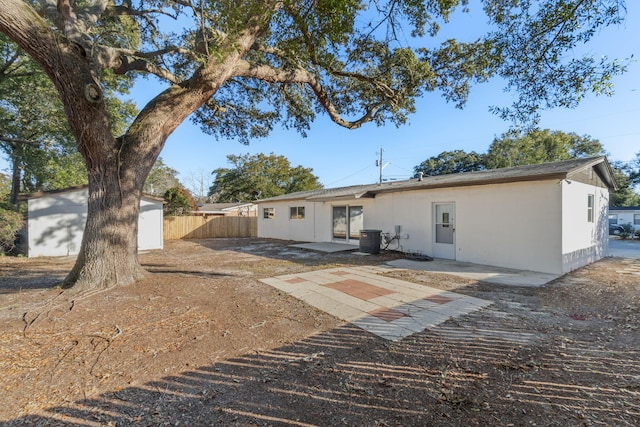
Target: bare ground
{"x": 202, "y": 342}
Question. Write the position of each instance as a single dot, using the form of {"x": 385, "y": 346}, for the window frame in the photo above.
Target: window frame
{"x": 296, "y": 212}
{"x": 591, "y": 207}
{"x": 268, "y": 213}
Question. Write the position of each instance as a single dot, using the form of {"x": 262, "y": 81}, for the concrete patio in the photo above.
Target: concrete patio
{"x": 384, "y": 306}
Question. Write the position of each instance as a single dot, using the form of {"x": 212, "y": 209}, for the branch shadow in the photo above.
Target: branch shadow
{"x": 283, "y": 250}
{"x": 452, "y": 375}
{"x": 16, "y": 277}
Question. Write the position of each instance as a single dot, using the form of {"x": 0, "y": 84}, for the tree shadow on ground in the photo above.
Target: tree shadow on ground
{"x": 283, "y": 251}
{"x": 15, "y": 278}
{"x": 455, "y": 375}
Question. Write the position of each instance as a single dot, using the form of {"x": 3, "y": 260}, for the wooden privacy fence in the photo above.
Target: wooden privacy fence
{"x": 206, "y": 227}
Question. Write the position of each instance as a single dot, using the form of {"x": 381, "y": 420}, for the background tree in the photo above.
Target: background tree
{"x": 451, "y": 162}
{"x": 160, "y": 179}
{"x": 260, "y": 176}
{"x": 34, "y": 134}
{"x": 198, "y": 183}
{"x": 179, "y": 202}
{"x": 634, "y": 171}
{"x": 517, "y": 148}
{"x": 625, "y": 194}
{"x": 11, "y": 221}
{"x": 242, "y": 66}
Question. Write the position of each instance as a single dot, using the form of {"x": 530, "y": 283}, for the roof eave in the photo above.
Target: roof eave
{"x": 490, "y": 181}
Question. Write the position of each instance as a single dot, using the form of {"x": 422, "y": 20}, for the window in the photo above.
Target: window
{"x": 296, "y": 212}
{"x": 613, "y": 219}
{"x": 636, "y": 219}
{"x": 268, "y": 213}
{"x": 590, "y": 208}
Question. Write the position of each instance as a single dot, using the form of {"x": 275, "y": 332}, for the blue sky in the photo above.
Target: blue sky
{"x": 342, "y": 157}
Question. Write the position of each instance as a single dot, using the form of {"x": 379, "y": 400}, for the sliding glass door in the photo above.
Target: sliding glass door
{"x": 347, "y": 222}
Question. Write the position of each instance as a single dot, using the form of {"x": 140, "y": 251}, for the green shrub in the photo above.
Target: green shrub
{"x": 627, "y": 232}
{"x": 10, "y": 223}
{"x": 179, "y": 202}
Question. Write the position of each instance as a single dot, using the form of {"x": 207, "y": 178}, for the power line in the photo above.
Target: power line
{"x": 349, "y": 176}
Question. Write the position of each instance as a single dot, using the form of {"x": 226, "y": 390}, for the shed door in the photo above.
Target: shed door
{"x": 445, "y": 231}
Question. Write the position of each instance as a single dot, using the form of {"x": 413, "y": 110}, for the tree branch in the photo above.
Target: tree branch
{"x": 9, "y": 72}
{"x": 15, "y": 141}
{"x": 128, "y": 63}
{"x": 274, "y": 75}
{"x": 77, "y": 25}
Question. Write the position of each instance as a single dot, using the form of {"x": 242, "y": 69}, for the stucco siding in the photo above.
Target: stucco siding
{"x": 56, "y": 222}
{"x": 509, "y": 225}
{"x": 410, "y": 210}
{"x": 531, "y": 217}
{"x": 514, "y": 225}
{"x": 584, "y": 239}
{"x": 281, "y": 226}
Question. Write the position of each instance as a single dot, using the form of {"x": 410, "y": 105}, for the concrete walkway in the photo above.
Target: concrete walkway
{"x": 384, "y": 306}
{"x": 327, "y": 247}
{"x": 484, "y": 273}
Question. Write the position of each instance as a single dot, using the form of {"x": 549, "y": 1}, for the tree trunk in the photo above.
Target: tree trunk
{"x": 16, "y": 176}
{"x": 117, "y": 167}
{"x": 109, "y": 251}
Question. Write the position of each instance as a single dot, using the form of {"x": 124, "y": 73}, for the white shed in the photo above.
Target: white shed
{"x": 549, "y": 218}
{"x": 56, "y": 221}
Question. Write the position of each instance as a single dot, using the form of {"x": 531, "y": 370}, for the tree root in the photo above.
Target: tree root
{"x": 51, "y": 306}
{"x": 108, "y": 341}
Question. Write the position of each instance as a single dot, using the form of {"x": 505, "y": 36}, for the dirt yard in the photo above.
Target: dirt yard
{"x": 202, "y": 342}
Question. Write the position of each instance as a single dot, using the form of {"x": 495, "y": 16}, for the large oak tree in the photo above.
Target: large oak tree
{"x": 242, "y": 65}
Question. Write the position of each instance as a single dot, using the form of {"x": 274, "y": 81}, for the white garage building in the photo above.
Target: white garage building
{"x": 549, "y": 218}
{"x": 56, "y": 221}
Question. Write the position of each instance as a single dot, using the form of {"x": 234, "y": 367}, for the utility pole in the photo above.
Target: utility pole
{"x": 379, "y": 164}
{"x": 202, "y": 189}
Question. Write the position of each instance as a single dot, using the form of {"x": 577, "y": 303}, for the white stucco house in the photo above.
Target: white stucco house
{"x": 56, "y": 221}
{"x": 625, "y": 215}
{"x": 549, "y": 218}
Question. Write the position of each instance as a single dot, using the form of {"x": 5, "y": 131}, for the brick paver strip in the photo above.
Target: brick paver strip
{"x": 438, "y": 299}
{"x": 358, "y": 289}
{"x": 296, "y": 280}
{"x": 387, "y": 314}
{"x": 340, "y": 273}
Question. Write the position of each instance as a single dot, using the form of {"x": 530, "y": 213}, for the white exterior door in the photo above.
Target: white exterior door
{"x": 444, "y": 245}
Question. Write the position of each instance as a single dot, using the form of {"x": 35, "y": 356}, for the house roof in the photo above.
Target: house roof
{"x": 222, "y": 207}
{"x": 544, "y": 171}
{"x": 71, "y": 189}
{"x": 624, "y": 208}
